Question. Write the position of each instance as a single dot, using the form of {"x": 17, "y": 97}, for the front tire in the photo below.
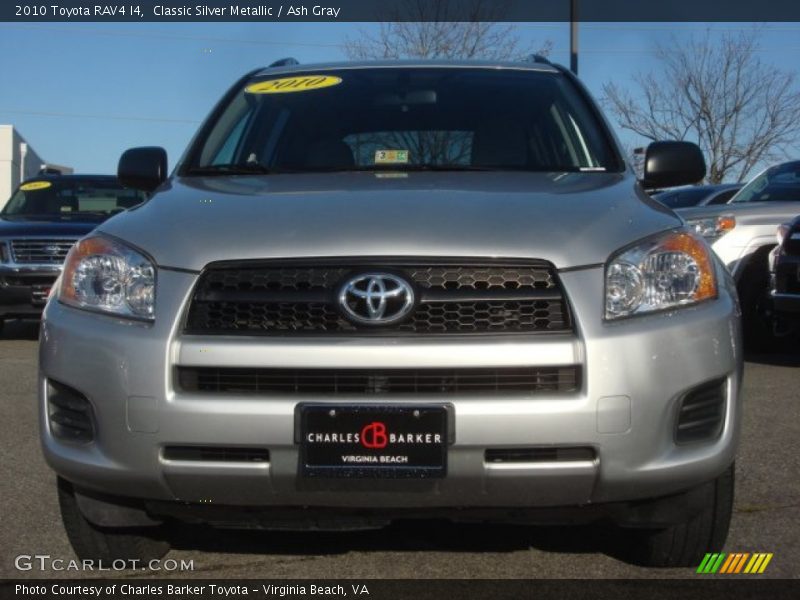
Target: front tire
{"x": 685, "y": 544}
{"x": 105, "y": 545}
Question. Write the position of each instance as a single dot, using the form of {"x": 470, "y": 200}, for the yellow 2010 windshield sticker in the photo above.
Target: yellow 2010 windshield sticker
{"x": 35, "y": 185}
{"x": 288, "y": 85}
{"x": 391, "y": 157}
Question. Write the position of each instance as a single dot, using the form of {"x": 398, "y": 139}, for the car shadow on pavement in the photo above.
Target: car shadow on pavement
{"x": 775, "y": 360}
{"x": 779, "y": 351}
{"x": 20, "y": 330}
{"x": 405, "y": 536}
{"x": 783, "y": 359}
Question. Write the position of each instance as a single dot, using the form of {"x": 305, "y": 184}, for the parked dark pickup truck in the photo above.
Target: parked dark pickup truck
{"x": 38, "y": 226}
{"x": 785, "y": 278}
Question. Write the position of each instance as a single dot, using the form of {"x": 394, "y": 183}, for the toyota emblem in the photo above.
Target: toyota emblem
{"x": 376, "y": 298}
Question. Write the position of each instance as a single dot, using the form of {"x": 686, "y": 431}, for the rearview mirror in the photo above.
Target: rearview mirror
{"x": 409, "y": 98}
{"x": 143, "y": 168}
{"x": 668, "y": 164}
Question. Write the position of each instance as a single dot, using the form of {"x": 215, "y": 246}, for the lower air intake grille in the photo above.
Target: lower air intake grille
{"x": 26, "y": 279}
{"x": 379, "y": 381}
{"x": 545, "y": 454}
{"x": 702, "y": 413}
{"x": 215, "y": 454}
{"x": 69, "y": 413}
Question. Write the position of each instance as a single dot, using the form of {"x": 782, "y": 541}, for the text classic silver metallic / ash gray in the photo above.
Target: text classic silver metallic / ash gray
{"x": 372, "y": 291}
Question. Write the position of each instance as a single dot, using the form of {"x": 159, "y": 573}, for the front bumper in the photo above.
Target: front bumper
{"x": 635, "y": 372}
{"x": 24, "y": 293}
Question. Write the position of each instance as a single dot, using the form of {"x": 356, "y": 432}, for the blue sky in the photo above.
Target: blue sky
{"x": 81, "y": 93}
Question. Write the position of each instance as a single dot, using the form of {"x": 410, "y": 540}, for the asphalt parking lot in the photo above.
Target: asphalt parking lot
{"x": 766, "y": 517}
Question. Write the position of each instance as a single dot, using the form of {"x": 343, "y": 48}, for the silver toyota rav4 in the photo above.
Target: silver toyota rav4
{"x": 373, "y": 291}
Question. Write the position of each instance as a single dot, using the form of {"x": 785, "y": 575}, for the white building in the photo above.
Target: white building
{"x": 18, "y": 162}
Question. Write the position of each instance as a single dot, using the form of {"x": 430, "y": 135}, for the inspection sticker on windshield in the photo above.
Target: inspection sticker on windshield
{"x": 35, "y": 185}
{"x": 391, "y": 157}
{"x": 297, "y": 83}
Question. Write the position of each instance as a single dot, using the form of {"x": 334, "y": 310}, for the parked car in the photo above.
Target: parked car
{"x": 43, "y": 219}
{"x": 397, "y": 289}
{"x": 742, "y": 233}
{"x": 785, "y": 278}
{"x": 698, "y": 195}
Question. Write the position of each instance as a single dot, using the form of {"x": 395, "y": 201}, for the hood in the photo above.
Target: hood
{"x": 44, "y": 227}
{"x": 570, "y": 219}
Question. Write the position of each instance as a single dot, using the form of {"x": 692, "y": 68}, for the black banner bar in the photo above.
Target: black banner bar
{"x": 396, "y": 10}
{"x": 734, "y": 587}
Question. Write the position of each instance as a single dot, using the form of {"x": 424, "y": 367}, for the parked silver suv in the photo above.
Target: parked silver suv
{"x": 382, "y": 290}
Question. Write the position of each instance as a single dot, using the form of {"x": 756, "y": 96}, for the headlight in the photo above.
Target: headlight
{"x": 712, "y": 228}
{"x": 666, "y": 271}
{"x": 105, "y": 275}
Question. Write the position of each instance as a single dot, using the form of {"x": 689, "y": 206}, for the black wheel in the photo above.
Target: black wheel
{"x": 106, "y": 545}
{"x": 685, "y": 544}
{"x": 757, "y": 317}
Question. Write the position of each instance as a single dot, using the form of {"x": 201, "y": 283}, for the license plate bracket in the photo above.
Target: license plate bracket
{"x": 373, "y": 441}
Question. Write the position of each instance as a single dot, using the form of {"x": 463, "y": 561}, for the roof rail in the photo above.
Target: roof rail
{"x": 285, "y": 62}
{"x": 538, "y": 58}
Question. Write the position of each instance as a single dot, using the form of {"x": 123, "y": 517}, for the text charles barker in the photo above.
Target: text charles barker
{"x": 356, "y": 438}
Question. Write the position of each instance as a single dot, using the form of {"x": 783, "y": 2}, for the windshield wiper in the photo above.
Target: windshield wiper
{"x": 391, "y": 168}
{"x": 91, "y": 213}
{"x": 231, "y": 169}
{"x": 259, "y": 169}
{"x": 435, "y": 167}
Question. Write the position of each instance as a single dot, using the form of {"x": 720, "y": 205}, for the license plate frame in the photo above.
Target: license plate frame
{"x": 362, "y": 428}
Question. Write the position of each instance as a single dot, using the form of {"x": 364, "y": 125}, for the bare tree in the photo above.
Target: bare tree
{"x": 443, "y": 29}
{"x": 741, "y": 111}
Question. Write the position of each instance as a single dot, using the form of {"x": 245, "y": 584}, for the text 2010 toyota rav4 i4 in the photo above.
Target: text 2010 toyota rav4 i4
{"x": 388, "y": 290}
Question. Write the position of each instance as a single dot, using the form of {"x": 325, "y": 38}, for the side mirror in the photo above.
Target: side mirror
{"x": 143, "y": 168}
{"x": 667, "y": 164}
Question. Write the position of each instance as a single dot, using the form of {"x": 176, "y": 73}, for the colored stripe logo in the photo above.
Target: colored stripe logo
{"x": 735, "y": 562}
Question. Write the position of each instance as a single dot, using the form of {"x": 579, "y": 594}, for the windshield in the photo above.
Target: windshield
{"x": 404, "y": 118}
{"x": 777, "y": 184}
{"x": 67, "y": 198}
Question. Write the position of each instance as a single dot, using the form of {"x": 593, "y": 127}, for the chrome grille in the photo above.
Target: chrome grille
{"x": 277, "y": 298}
{"x": 40, "y": 250}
